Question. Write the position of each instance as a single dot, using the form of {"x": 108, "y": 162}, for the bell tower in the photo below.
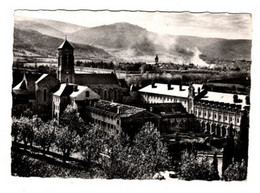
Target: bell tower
{"x": 191, "y": 95}
{"x": 66, "y": 63}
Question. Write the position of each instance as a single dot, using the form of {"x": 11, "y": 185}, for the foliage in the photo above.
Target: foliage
{"x": 195, "y": 168}
{"x": 92, "y": 143}
{"x": 139, "y": 159}
{"x": 66, "y": 141}
{"x": 15, "y": 129}
{"x": 71, "y": 119}
{"x": 22, "y": 130}
{"x": 45, "y": 135}
{"x": 236, "y": 171}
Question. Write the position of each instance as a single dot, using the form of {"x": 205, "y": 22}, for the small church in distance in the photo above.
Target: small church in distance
{"x": 47, "y": 95}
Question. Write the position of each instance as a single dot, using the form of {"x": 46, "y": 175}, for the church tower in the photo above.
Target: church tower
{"x": 156, "y": 59}
{"x": 191, "y": 95}
{"x": 66, "y": 63}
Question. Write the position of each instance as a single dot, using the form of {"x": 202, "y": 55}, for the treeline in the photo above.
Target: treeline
{"x": 106, "y": 154}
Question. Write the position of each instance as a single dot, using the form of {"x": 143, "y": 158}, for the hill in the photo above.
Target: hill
{"x": 45, "y": 46}
{"x": 133, "y": 43}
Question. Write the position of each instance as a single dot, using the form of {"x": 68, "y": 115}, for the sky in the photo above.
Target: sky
{"x": 219, "y": 25}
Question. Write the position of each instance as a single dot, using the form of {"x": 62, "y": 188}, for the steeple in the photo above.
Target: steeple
{"x": 156, "y": 59}
{"x": 66, "y": 62}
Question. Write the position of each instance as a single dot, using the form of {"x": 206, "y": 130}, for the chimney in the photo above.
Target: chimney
{"x": 180, "y": 87}
{"x": 118, "y": 109}
{"x": 153, "y": 85}
{"x": 170, "y": 86}
{"x": 75, "y": 88}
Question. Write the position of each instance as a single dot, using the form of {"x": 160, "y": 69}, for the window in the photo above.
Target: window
{"x": 215, "y": 116}
{"x": 44, "y": 95}
{"x": 205, "y": 114}
{"x": 225, "y": 118}
{"x": 237, "y": 120}
{"x": 230, "y": 119}
{"x": 87, "y": 93}
{"x": 219, "y": 117}
{"x": 209, "y": 114}
{"x": 199, "y": 113}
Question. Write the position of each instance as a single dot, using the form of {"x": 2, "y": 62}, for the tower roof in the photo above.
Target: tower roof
{"x": 65, "y": 44}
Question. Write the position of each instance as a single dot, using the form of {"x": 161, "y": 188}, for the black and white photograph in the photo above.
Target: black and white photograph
{"x": 131, "y": 95}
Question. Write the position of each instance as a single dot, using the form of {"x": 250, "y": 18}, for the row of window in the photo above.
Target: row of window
{"x": 164, "y": 98}
{"x": 215, "y": 116}
{"x": 105, "y": 124}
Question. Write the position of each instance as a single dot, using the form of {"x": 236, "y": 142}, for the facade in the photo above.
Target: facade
{"x": 219, "y": 113}
{"x": 117, "y": 117}
{"x": 72, "y": 94}
{"x": 170, "y": 93}
{"x": 216, "y": 113}
{"x": 173, "y": 117}
{"x": 33, "y": 95}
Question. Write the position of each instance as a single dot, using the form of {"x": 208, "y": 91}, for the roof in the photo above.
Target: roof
{"x": 79, "y": 94}
{"x": 162, "y": 89}
{"x": 125, "y": 110}
{"x": 65, "y": 44}
{"x": 20, "y": 86}
{"x": 64, "y": 90}
{"x": 75, "y": 91}
{"x": 225, "y": 98}
{"x": 95, "y": 79}
{"x": 41, "y": 78}
{"x": 123, "y": 83}
{"x": 32, "y": 77}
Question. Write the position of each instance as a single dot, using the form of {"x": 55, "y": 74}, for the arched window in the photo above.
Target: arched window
{"x": 44, "y": 95}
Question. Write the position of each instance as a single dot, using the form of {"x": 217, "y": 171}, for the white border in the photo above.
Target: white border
{"x": 17, "y": 184}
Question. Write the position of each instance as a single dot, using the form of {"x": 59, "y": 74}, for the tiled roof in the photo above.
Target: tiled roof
{"x": 162, "y": 89}
{"x": 95, "y": 79}
{"x": 125, "y": 110}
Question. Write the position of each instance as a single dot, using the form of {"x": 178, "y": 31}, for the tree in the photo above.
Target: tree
{"x": 92, "y": 144}
{"x": 25, "y": 133}
{"x": 71, "y": 119}
{"x": 15, "y": 129}
{"x": 66, "y": 141}
{"x": 236, "y": 171}
{"x": 195, "y": 168}
{"x": 141, "y": 158}
{"x": 45, "y": 136}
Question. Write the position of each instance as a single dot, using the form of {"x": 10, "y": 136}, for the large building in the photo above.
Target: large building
{"x": 216, "y": 113}
{"x": 118, "y": 117}
{"x": 34, "y": 93}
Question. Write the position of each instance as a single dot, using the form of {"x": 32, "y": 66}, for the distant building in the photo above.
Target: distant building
{"x": 216, "y": 113}
{"x": 156, "y": 59}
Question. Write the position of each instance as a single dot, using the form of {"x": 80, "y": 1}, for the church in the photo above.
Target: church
{"x": 46, "y": 94}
